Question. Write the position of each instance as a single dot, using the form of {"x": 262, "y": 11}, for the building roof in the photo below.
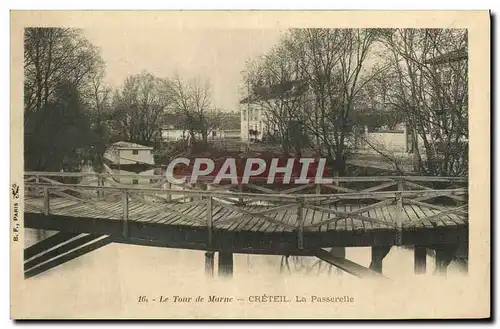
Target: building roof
{"x": 265, "y": 93}
{"x": 129, "y": 145}
{"x": 452, "y": 56}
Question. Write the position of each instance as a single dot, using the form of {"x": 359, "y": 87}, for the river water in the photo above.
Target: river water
{"x": 108, "y": 281}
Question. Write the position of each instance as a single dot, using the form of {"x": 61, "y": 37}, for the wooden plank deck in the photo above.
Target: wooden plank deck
{"x": 194, "y": 215}
{"x": 344, "y": 217}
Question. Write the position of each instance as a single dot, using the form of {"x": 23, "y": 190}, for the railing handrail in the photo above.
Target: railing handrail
{"x": 211, "y": 178}
{"x": 349, "y": 195}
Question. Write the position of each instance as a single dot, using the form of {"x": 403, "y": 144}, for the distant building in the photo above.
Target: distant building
{"x": 125, "y": 159}
{"x": 451, "y": 71}
{"x": 170, "y": 134}
{"x": 228, "y": 127}
{"x": 231, "y": 134}
{"x": 254, "y": 123}
{"x": 129, "y": 156}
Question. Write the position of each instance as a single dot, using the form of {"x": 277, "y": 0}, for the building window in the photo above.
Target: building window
{"x": 244, "y": 115}
{"x": 135, "y": 181}
{"x": 135, "y": 152}
{"x": 152, "y": 180}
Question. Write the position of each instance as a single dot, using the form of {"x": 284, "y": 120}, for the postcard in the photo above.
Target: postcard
{"x": 250, "y": 165}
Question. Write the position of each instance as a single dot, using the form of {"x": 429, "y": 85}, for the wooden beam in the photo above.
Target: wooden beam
{"x": 74, "y": 244}
{"x": 48, "y": 243}
{"x": 251, "y": 214}
{"x": 246, "y": 212}
{"x": 346, "y": 265}
{"x": 433, "y": 206}
{"x": 67, "y": 257}
{"x": 436, "y": 216}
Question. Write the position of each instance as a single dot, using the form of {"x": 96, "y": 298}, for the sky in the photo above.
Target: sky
{"x": 218, "y": 55}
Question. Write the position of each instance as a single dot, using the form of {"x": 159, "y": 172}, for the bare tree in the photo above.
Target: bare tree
{"x": 278, "y": 94}
{"x": 54, "y": 56}
{"x": 140, "y": 107}
{"x": 333, "y": 64}
{"x": 431, "y": 91}
{"x": 192, "y": 101}
{"x": 329, "y": 65}
{"x": 99, "y": 99}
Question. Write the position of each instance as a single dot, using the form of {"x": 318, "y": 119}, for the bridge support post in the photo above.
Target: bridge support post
{"x": 378, "y": 254}
{"x": 225, "y": 264}
{"x": 463, "y": 255}
{"x": 209, "y": 263}
{"x": 444, "y": 256}
{"x": 420, "y": 259}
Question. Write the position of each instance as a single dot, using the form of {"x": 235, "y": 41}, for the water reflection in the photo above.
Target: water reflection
{"x": 399, "y": 261}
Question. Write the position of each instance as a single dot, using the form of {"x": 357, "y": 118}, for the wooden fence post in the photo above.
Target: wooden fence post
{"x": 401, "y": 186}
{"x": 125, "y": 213}
{"x": 209, "y": 220}
{"x": 240, "y": 190}
{"x": 191, "y": 197}
{"x": 46, "y": 201}
{"x": 168, "y": 186}
{"x": 37, "y": 181}
{"x": 209, "y": 255}
{"x": 300, "y": 220}
{"x": 100, "y": 183}
{"x": 399, "y": 219}
{"x": 318, "y": 193}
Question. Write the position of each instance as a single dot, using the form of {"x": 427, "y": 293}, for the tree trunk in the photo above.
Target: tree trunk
{"x": 340, "y": 164}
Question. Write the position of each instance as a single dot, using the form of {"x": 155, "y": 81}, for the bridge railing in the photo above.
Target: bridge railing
{"x": 256, "y": 184}
{"x": 204, "y": 203}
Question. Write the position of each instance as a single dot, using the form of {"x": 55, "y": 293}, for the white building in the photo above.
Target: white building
{"x": 252, "y": 120}
{"x": 234, "y": 134}
{"x": 126, "y": 153}
{"x": 172, "y": 134}
{"x": 254, "y": 123}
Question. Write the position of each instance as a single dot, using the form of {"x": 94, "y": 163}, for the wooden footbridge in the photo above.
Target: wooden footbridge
{"x": 92, "y": 210}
